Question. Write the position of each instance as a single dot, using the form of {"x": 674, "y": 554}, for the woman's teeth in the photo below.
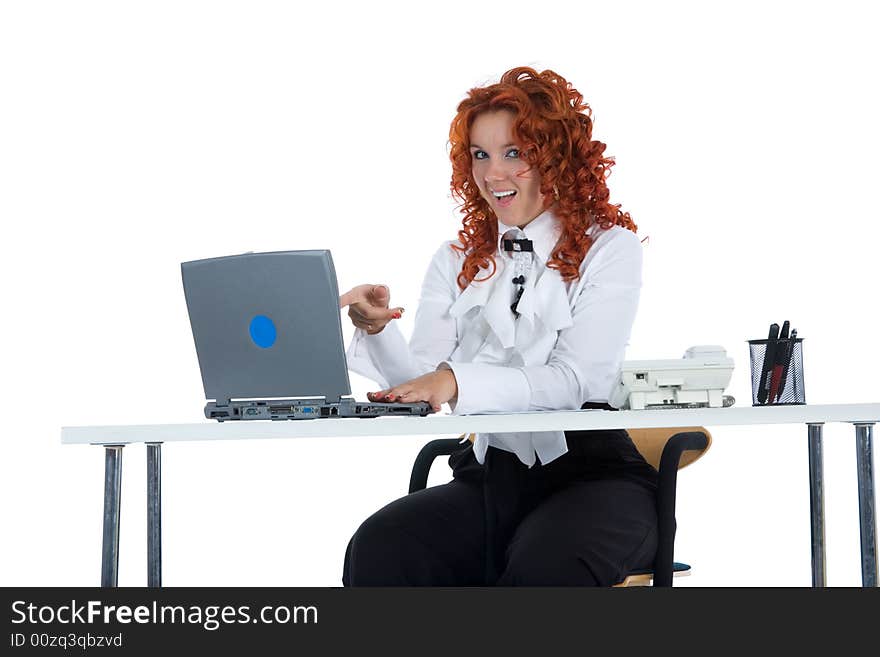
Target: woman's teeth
{"x": 503, "y": 199}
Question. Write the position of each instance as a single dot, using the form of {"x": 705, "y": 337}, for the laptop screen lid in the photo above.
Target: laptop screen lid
{"x": 267, "y": 325}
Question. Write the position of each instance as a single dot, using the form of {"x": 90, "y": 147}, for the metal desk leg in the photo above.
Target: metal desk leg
{"x": 154, "y": 514}
{"x": 817, "y": 504}
{"x": 867, "y": 521}
{"x": 112, "y": 488}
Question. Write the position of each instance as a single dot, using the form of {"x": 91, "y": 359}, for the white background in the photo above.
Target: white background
{"x": 137, "y": 135}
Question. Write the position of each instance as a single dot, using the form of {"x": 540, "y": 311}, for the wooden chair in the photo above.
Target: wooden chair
{"x": 667, "y": 449}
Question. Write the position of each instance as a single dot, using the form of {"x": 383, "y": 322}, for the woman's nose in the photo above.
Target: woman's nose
{"x": 495, "y": 172}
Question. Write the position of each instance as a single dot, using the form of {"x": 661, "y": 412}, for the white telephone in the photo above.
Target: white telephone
{"x": 697, "y": 380}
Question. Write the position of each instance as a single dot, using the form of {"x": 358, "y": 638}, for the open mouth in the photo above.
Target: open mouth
{"x": 503, "y": 199}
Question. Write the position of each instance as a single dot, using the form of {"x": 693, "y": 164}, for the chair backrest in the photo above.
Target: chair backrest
{"x": 650, "y": 443}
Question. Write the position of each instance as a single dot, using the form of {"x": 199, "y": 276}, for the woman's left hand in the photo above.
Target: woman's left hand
{"x": 435, "y": 388}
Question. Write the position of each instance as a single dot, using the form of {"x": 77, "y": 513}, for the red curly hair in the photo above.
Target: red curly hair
{"x": 553, "y": 128}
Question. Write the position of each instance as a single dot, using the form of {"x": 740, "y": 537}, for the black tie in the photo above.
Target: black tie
{"x": 523, "y": 245}
{"x": 517, "y": 245}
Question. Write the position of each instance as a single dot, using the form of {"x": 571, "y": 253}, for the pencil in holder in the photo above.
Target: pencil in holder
{"x": 777, "y": 371}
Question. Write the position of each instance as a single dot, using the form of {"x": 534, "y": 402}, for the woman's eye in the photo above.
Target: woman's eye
{"x": 483, "y": 155}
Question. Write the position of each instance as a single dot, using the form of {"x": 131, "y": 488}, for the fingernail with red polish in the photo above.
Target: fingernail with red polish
{"x": 396, "y": 316}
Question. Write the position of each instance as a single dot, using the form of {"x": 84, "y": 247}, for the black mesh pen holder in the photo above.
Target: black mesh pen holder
{"x": 777, "y": 372}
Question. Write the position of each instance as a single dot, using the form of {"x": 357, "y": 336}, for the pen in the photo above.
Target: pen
{"x": 785, "y": 366}
{"x": 767, "y": 367}
{"x": 778, "y": 362}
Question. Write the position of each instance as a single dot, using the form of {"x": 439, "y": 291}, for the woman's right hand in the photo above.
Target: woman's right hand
{"x": 368, "y": 307}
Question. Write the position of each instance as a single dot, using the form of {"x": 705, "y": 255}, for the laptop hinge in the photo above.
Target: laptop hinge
{"x": 221, "y": 403}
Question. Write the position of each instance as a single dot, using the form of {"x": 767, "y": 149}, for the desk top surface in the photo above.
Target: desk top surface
{"x": 458, "y": 424}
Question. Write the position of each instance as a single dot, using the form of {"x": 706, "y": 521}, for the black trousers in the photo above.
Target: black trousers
{"x": 584, "y": 519}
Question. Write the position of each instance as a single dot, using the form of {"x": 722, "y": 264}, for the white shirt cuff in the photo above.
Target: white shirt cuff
{"x": 486, "y": 388}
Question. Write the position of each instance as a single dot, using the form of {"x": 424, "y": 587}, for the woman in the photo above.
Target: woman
{"x": 530, "y": 309}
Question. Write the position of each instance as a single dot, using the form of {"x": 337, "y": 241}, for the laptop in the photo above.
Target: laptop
{"x": 268, "y": 336}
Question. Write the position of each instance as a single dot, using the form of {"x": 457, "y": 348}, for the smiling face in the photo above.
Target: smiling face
{"x": 510, "y": 187}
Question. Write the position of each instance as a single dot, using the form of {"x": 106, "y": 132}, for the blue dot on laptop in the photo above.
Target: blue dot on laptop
{"x": 263, "y": 331}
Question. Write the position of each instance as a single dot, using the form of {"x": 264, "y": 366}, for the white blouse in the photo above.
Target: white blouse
{"x": 564, "y": 349}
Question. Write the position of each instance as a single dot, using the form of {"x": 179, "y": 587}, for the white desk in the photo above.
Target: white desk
{"x": 114, "y": 438}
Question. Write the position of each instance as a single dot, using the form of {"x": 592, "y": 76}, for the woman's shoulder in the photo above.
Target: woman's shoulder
{"x": 613, "y": 242}
{"x": 615, "y": 237}
{"x": 446, "y": 254}
{"x": 446, "y": 261}
{"x": 615, "y": 249}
